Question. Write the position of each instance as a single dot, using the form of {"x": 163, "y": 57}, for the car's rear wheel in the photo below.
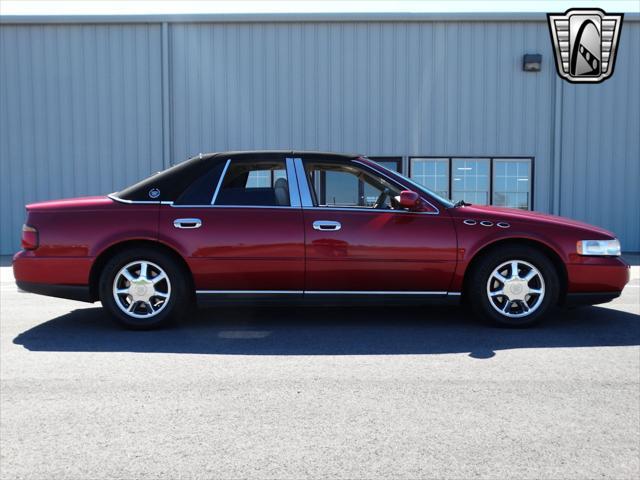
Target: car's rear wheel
{"x": 144, "y": 288}
{"x": 513, "y": 286}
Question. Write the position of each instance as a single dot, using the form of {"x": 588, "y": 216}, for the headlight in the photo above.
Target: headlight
{"x": 599, "y": 247}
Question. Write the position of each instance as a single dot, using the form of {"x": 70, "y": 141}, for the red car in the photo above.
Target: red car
{"x": 309, "y": 226}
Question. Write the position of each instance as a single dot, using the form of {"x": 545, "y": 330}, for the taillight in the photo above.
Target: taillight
{"x": 29, "y": 237}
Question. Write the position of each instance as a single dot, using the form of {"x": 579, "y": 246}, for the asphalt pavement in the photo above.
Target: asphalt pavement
{"x": 404, "y": 393}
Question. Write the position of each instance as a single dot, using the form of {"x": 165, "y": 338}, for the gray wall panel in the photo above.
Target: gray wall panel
{"x": 80, "y": 113}
{"x": 601, "y": 147}
{"x": 81, "y": 107}
{"x": 377, "y": 88}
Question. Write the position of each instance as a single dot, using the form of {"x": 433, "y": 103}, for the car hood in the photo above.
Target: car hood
{"x": 83, "y": 203}
{"x": 515, "y": 215}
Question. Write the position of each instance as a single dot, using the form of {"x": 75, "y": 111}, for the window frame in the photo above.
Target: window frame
{"x": 294, "y": 196}
{"x": 491, "y": 159}
{"x": 319, "y": 198}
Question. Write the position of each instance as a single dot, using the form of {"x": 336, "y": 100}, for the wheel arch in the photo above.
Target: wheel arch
{"x": 549, "y": 252}
{"x": 104, "y": 256}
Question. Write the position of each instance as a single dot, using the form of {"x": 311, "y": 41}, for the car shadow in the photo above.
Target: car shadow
{"x": 332, "y": 331}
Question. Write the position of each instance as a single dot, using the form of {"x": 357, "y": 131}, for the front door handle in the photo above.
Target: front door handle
{"x": 326, "y": 226}
{"x": 187, "y": 223}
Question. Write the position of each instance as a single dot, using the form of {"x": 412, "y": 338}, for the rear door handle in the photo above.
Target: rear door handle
{"x": 187, "y": 223}
{"x": 326, "y": 226}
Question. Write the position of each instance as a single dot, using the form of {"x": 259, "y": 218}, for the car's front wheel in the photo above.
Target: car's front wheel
{"x": 144, "y": 288}
{"x": 514, "y": 286}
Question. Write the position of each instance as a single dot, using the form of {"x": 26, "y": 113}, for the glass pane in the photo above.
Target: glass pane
{"x": 433, "y": 173}
{"x": 255, "y": 184}
{"x": 391, "y": 163}
{"x": 347, "y": 186}
{"x": 470, "y": 181}
{"x": 259, "y": 179}
{"x": 512, "y": 183}
{"x": 341, "y": 189}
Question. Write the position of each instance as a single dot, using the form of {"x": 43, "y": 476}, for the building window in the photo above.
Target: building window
{"x": 264, "y": 178}
{"x": 433, "y": 173}
{"x": 470, "y": 180}
{"x": 512, "y": 183}
{"x": 392, "y": 163}
{"x": 505, "y": 182}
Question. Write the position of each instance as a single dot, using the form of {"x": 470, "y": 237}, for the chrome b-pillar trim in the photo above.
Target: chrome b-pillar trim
{"x": 294, "y": 192}
{"x": 224, "y": 171}
{"x": 303, "y": 184}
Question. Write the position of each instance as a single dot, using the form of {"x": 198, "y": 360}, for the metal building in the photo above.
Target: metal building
{"x": 91, "y": 104}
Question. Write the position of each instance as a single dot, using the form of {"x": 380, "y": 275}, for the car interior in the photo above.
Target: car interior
{"x": 259, "y": 184}
{"x": 339, "y": 185}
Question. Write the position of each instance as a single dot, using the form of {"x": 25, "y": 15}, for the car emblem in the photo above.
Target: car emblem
{"x": 154, "y": 193}
{"x": 585, "y": 43}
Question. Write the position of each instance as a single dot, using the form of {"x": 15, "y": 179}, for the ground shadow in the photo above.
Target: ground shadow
{"x": 332, "y": 331}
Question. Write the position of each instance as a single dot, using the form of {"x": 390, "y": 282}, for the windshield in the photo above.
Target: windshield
{"x": 421, "y": 188}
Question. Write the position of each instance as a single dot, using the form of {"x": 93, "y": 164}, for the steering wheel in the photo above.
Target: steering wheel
{"x": 381, "y": 198}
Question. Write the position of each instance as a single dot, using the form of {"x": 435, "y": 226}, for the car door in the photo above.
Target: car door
{"x": 240, "y": 228}
{"x": 351, "y": 246}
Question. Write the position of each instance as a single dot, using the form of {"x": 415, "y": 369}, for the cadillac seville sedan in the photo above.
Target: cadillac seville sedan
{"x": 307, "y": 227}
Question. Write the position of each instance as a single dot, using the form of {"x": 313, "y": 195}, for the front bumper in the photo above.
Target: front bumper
{"x": 597, "y": 275}
{"x": 589, "y": 298}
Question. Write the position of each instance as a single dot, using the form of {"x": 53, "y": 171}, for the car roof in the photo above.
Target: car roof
{"x": 170, "y": 183}
{"x": 305, "y": 153}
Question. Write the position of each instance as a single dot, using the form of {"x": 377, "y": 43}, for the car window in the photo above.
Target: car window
{"x": 339, "y": 185}
{"x": 254, "y": 184}
{"x": 201, "y": 190}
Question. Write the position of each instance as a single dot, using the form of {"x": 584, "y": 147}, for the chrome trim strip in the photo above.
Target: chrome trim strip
{"x": 303, "y": 184}
{"x": 370, "y": 210}
{"x": 224, "y": 171}
{"x": 280, "y": 207}
{"x": 112, "y": 196}
{"x": 454, "y": 294}
{"x": 292, "y": 180}
{"x": 411, "y": 182}
{"x": 251, "y": 292}
{"x": 369, "y": 292}
{"x": 324, "y": 292}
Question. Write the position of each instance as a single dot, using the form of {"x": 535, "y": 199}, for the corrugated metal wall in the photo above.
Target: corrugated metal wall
{"x": 80, "y": 113}
{"x": 81, "y": 106}
{"x": 600, "y": 180}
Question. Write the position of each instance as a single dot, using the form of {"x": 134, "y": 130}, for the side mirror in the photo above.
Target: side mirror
{"x": 409, "y": 199}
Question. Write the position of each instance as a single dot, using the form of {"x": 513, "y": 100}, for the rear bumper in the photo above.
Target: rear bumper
{"x": 64, "y": 277}
{"x": 71, "y": 292}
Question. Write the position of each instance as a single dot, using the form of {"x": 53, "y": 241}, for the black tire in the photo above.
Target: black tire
{"x": 479, "y": 278}
{"x": 178, "y": 304}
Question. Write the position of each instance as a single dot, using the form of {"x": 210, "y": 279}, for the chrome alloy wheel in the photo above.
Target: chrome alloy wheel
{"x": 515, "y": 289}
{"x": 141, "y": 289}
